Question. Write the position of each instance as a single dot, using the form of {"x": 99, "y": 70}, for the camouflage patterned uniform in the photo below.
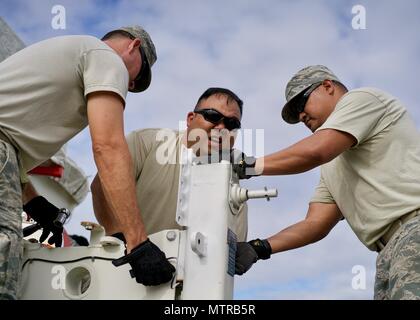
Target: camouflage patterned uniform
{"x": 398, "y": 265}
{"x": 10, "y": 223}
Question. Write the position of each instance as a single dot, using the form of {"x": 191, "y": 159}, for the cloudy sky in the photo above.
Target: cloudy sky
{"x": 254, "y": 47}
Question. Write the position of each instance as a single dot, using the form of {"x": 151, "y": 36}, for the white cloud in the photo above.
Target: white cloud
{"x": 254, "y": 47}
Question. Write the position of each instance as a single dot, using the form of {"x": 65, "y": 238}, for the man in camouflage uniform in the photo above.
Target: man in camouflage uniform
{"x": 369, "y": 152}
{"x": 10, "y": 222}
{"x": 49, "y": 92}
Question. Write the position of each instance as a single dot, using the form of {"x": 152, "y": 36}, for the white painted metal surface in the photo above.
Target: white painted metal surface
{"x": 76, "y": 273}
{"x": 204, "y": 253}
{"x": 209, "y": 240}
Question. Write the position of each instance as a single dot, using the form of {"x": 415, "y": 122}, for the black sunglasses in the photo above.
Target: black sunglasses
{"x": 144, "y": 64}
{"x": 299, "y": 105}
{"x": 215, "y": 117}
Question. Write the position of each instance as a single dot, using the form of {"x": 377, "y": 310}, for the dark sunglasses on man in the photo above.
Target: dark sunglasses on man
{"x": 144, "y": 64}
{"x": 215, "y": 117}
{"x": 302, "y": 98}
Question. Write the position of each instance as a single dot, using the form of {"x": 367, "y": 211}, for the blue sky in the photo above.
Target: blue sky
{"x": 254, "y": 47}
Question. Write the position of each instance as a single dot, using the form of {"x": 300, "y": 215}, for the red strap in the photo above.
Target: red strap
{"x": 53, "y": 171}
{"x": 66, "y": 239}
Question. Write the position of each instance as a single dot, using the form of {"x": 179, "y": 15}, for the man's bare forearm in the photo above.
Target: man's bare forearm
{"x": 309, "y": 153}
{"x": 102, "y": 210}
{"x": 319, "y": 221}
{"x": 295, "y": 159}
{"x": 115, "y": 171}
{"x": 295, "y": 236}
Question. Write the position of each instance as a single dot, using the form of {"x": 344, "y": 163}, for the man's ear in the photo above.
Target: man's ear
{"x": 135, "y": 44}
{"x": 190, "y": 117}
{"x": 329, "y": 86}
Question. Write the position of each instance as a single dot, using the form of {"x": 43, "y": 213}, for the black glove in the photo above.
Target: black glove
{"x": 149, "y": 264}
{"x": 247, "y": 253}
{"x": 243, "y": 165}
{"x": 45, "y": 213}
{"x": 120, "y": 236}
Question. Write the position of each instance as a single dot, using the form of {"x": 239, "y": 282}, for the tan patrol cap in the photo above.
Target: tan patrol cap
{"x": 302, "y": 80}
{"x": 149, "y": 50}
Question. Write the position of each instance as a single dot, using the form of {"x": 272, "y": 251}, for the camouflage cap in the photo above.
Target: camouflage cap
{"x": 150, "y": 53}
{"x": 302, "y": 80}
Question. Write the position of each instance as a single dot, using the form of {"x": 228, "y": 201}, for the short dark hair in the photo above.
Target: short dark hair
{"x": 117, "y": 33}
{"x": 221, "y": 91}
{"x": 340, "y": 85}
